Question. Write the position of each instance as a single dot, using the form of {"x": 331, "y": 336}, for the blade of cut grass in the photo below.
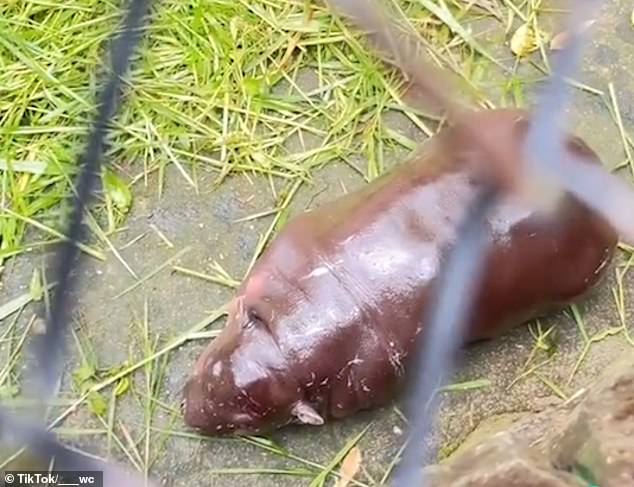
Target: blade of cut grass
{"x": 88, "y": 250}
{"x": 153, "y": 273}
{"x": 172, "y": 345}
{"x": 221, "y": 276}
{"x": 320, "y": 479}
{"x": 16, "y": 304}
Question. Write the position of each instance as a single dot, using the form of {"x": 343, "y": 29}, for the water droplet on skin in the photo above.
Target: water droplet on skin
{"x": 216, "y": 369}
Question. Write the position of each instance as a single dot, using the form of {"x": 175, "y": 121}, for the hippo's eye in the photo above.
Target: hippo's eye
{"x": 253, "y": 319}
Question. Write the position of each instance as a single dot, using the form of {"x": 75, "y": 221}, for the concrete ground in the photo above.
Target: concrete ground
{"x": 205, "y": 223}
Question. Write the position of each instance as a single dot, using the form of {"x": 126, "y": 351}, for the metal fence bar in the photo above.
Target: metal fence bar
{"x": 545, "y": 160}
{"x": 437, "y": 345}
{"x": 49, "y": 349}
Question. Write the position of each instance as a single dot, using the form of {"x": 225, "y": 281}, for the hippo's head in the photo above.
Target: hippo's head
{"x": 242, "y": 382}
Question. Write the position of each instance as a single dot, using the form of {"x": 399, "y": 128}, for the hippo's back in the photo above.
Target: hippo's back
{"x": 344, "y": 288}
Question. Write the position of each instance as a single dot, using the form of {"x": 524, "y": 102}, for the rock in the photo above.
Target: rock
{"x": 586, "y": 441}
{"x": 502, "y": 461}
{"x": 600, "y": 435}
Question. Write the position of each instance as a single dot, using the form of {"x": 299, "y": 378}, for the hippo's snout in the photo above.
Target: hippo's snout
{"x": 193, "y": 405}
{"x": 214, "y": 414}
{"x": 243, "y": 384}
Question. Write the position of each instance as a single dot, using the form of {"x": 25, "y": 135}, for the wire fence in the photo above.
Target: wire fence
{"x": 43, "y": 379}
{"x": 453, "y": 299}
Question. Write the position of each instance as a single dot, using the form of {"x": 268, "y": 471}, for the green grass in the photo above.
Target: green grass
{"x": 273, "y": 89}
{"x": 218, "y": 85}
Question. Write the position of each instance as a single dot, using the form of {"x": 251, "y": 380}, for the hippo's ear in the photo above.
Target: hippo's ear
{"x": 305, "y": 414}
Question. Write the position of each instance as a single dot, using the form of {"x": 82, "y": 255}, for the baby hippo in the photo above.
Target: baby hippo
{"x": 325, "y": 322}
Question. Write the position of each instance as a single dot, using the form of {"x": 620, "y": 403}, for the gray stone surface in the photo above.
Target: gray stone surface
{"x": 591, "y": 434}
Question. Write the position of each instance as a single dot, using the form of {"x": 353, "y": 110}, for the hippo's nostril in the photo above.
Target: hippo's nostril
{"x": 183, "y": 405}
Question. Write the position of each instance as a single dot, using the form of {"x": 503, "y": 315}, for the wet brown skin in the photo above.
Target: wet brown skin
{"x": 322, "y": 326}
